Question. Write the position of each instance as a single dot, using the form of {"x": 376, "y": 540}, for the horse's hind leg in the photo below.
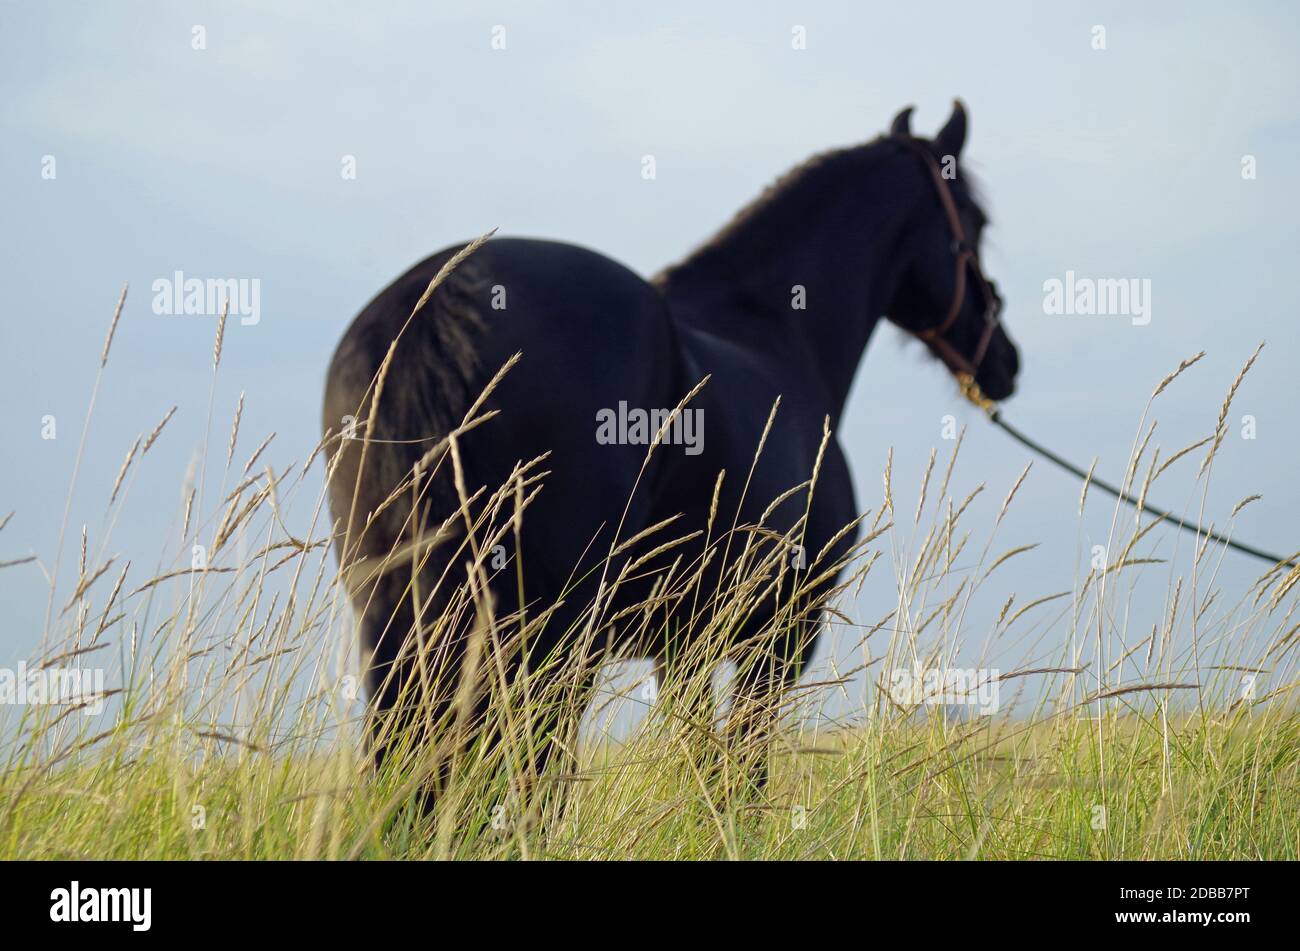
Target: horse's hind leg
{"x": 413, "y": 686}
{"x": 763, "y": 679}
{"x": 685, "y": 698}
{"x": 756, "y": 699}
{"x": 551, "y": 684}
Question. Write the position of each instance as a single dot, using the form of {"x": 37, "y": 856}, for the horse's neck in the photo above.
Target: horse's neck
{"x": 817, "y": 267}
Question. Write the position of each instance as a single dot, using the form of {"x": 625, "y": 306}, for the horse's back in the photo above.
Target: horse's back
{"x": 559, "y": 299}
{"x": 590, "y": 330}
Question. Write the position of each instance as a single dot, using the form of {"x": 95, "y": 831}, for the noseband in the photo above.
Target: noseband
{"x": 965, "y": 260}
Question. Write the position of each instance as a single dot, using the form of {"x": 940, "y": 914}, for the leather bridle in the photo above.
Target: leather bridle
{"x": 966, "y": 260}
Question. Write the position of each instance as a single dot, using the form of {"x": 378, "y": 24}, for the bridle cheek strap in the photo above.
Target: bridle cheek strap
{"x": 966, "y": 261}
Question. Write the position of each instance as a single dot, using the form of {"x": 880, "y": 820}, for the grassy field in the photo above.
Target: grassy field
{"x": 231, "y": 728}
{"x": 1126, "y": 787}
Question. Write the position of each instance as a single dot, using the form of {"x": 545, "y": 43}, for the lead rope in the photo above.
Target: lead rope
{"x": 970, "y": 389}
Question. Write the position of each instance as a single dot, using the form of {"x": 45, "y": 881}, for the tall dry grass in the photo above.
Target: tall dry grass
{"x": 234, "y": 724}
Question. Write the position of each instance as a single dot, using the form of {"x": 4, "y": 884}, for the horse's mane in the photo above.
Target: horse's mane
{"x": 774, "y": 193}
{"x": 789, "y": 185}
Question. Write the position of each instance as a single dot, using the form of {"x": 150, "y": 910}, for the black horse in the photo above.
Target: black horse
{"x": 780, "y": 304}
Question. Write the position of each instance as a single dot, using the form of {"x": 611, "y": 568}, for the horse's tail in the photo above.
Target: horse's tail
{"x": 393, "y": 559}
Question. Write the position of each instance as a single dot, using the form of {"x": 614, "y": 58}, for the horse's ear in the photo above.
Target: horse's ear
{"x": 902, "y": 124}
{"x": 953, "y": 135}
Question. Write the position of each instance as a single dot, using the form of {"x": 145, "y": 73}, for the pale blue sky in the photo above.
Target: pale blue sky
{"x": 225, "y": 162}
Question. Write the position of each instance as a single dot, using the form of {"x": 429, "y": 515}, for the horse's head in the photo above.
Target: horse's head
{"x": 943, "y": 296}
